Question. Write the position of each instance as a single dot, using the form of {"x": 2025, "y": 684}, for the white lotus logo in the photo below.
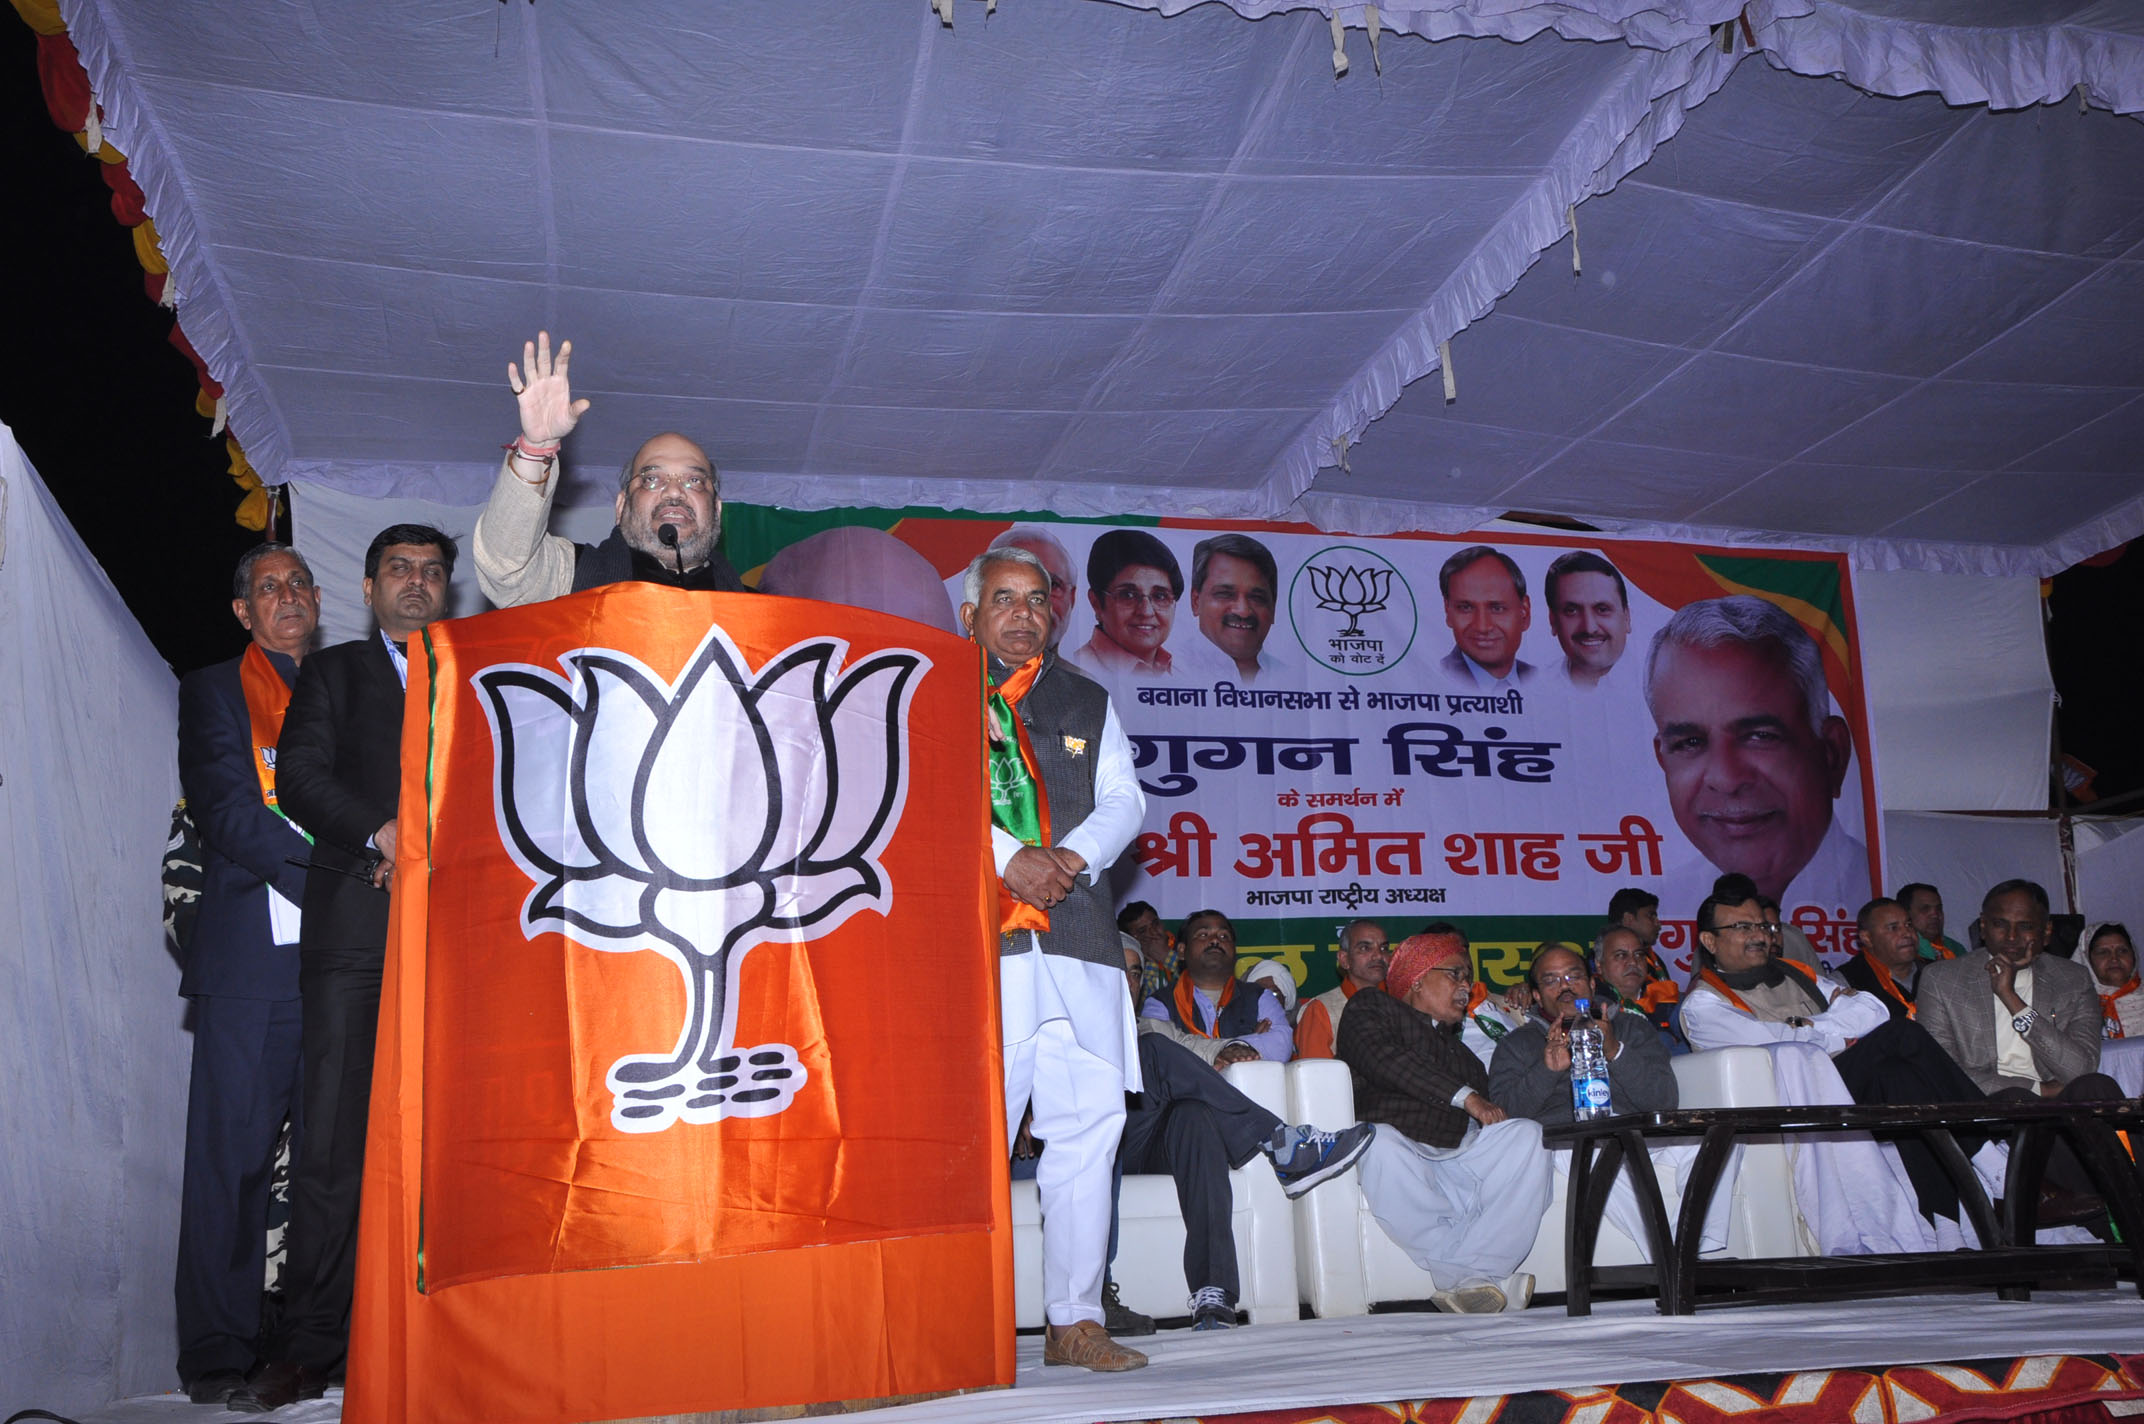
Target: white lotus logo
{"x": 697, "y": 821}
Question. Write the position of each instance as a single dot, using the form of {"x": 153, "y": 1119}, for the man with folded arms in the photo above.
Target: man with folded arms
{"x": 1457, "y": 1183}
{"x": 1210, "y": 1011}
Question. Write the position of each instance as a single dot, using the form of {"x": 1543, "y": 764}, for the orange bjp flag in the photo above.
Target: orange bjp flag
{"x": 693, "y": 973}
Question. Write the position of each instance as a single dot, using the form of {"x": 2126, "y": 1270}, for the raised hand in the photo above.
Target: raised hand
{"x": 548, "y": 409}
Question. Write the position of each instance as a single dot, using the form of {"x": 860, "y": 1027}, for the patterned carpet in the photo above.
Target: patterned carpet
{"x": 2037, "y": 1389}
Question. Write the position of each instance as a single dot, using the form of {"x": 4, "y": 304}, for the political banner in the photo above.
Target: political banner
{"x": 1499, "y": 730}
{"x": 693, "y": 970}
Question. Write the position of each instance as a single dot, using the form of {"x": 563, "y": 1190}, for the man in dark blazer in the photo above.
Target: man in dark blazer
{"x": 339, "y": 767}
{"x": 1888, "y": 963}
{"x": 240, "y": 972}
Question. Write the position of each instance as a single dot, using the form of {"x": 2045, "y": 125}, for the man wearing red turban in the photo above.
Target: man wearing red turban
{"x": 1456, "y": 1183}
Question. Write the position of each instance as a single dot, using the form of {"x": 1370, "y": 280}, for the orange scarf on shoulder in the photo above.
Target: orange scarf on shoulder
{"x": 1719, "y": 986}
{"x": 267, "y": 698}
{"x": 1187, "y": 1007}
{"x": 1889, "y": 986}
{"x": 1015, "y": 915}
{"x": 2113, "y": 1014}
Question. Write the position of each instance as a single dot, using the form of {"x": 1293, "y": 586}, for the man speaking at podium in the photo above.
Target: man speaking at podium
{"x": 1064, "y": 803}
{"x": 669, "y": 485}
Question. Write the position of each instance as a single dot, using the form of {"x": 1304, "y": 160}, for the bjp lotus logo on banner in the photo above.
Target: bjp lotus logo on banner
{"x": 697, "y": 820}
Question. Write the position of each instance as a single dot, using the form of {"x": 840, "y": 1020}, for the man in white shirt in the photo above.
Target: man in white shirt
{"x": 1065, "y": 803}
{"x": 1753, "y": 755}
{"x": 1233, "y": 589}
{"x": 1589, "y": 612}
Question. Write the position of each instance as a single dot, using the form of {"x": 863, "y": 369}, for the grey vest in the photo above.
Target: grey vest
{"x": 1064, "y": 711}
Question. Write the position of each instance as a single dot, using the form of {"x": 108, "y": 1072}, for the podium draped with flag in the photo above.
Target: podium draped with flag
{"x": 687, "y": 1096}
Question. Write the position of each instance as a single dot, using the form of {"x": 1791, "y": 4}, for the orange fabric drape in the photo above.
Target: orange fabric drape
{"x": 889, "y": 1166}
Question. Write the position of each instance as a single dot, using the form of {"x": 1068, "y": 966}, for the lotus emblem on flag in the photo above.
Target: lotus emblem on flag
{"x": 698, "y": 820}
{"x": 1350, "y": 590}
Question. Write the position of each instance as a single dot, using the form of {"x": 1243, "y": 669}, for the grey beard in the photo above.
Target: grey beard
{"x": 695, "y": 549}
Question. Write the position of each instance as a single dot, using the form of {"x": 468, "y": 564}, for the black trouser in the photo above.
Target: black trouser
{"x": 1902, "y": 1063}
{"x": 246, "y": 1078}
{"x": 2063, "y": 1170}
{"x": 1194, "y": 1126}
{"x": 340, "y": 990}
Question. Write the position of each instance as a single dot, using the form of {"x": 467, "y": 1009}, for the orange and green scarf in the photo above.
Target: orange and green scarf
{"x": 1019, "y": 805}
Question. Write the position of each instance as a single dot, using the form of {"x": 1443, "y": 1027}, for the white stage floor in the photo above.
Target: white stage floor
{"x": 1426, "y": 1356}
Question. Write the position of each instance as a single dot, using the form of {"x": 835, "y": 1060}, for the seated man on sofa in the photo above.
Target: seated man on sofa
{"x": 1530, "y": 1073}
{"x": 1455, "y": 1181}
{"x": 1194, "y": 1125}
{"x": 1213, "y": 1013}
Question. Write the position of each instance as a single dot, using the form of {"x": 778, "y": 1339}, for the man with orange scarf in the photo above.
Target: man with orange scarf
{"x": 1210, "y": 1011}
{"x": 1457, "y": 1183}
{"x": 1064, "y": 804}
{"x": 241, "y": 972}
{"x": 1888, "y": 964}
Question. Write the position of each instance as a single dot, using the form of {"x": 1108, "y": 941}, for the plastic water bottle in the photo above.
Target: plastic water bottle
{"x": 1589, "y": 1067}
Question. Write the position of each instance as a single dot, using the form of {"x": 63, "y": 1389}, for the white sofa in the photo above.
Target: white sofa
{"x": 1345, "y": 1262}
{"x": 1149, "y": 1268}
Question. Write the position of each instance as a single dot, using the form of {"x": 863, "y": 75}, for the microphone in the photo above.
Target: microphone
{"x": 668, "y": 535}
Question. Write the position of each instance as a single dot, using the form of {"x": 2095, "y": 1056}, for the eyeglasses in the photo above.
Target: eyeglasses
{"x": 1128, "y": 596}
{"x": 1461, "y": 975}
{"x": 1769, "y": 927}
{"x": 691, "y": 483}
{"x": 1574, "y": 976}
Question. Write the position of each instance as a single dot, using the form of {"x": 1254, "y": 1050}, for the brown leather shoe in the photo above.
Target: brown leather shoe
{"x": 1088, "y": 1345}
{"x": 285, "y": 1381}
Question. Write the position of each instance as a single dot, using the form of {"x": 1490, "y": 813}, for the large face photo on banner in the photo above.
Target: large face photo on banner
{"x": 1501, "y": 731}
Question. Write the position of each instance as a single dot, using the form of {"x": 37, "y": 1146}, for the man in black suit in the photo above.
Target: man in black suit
{"x": 241, "y": 972}
{"x": 340, "y": 770}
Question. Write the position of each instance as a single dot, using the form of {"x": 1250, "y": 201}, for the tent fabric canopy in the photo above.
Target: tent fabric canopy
{"x": 1105, "y": 258}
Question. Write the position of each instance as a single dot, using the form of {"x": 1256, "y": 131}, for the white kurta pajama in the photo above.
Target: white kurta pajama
{"x": 1464, "y": 1214}
{"x": 1072, "y": 1051}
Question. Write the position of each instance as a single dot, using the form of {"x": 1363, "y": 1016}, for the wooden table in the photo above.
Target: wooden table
{"x": 2007, "y": 1261}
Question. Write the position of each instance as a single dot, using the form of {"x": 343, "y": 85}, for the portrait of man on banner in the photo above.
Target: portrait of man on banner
{"x": 1753, "y": 756}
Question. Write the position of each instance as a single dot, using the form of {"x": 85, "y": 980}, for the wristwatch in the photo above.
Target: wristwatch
{"x": 2022, "y": 1024}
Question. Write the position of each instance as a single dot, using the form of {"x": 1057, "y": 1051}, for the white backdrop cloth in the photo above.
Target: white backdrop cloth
{"x": 1962, "y": 856}
{"x": 1095, "y": 259}
{"x": 91, "y": 1050}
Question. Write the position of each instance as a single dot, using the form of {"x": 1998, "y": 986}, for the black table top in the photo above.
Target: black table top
{"x": 1815, "y": 1117}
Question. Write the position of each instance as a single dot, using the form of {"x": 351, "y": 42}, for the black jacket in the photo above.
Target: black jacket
{"x": 339, "y": 775}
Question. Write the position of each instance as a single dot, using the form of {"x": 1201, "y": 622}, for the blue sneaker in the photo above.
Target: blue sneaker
{"x": 1319, "y": 1155}
{"x": 1210, "y": 1309}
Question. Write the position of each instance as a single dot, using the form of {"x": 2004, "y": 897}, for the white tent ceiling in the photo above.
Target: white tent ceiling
{"x": 1098, "y": 259}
